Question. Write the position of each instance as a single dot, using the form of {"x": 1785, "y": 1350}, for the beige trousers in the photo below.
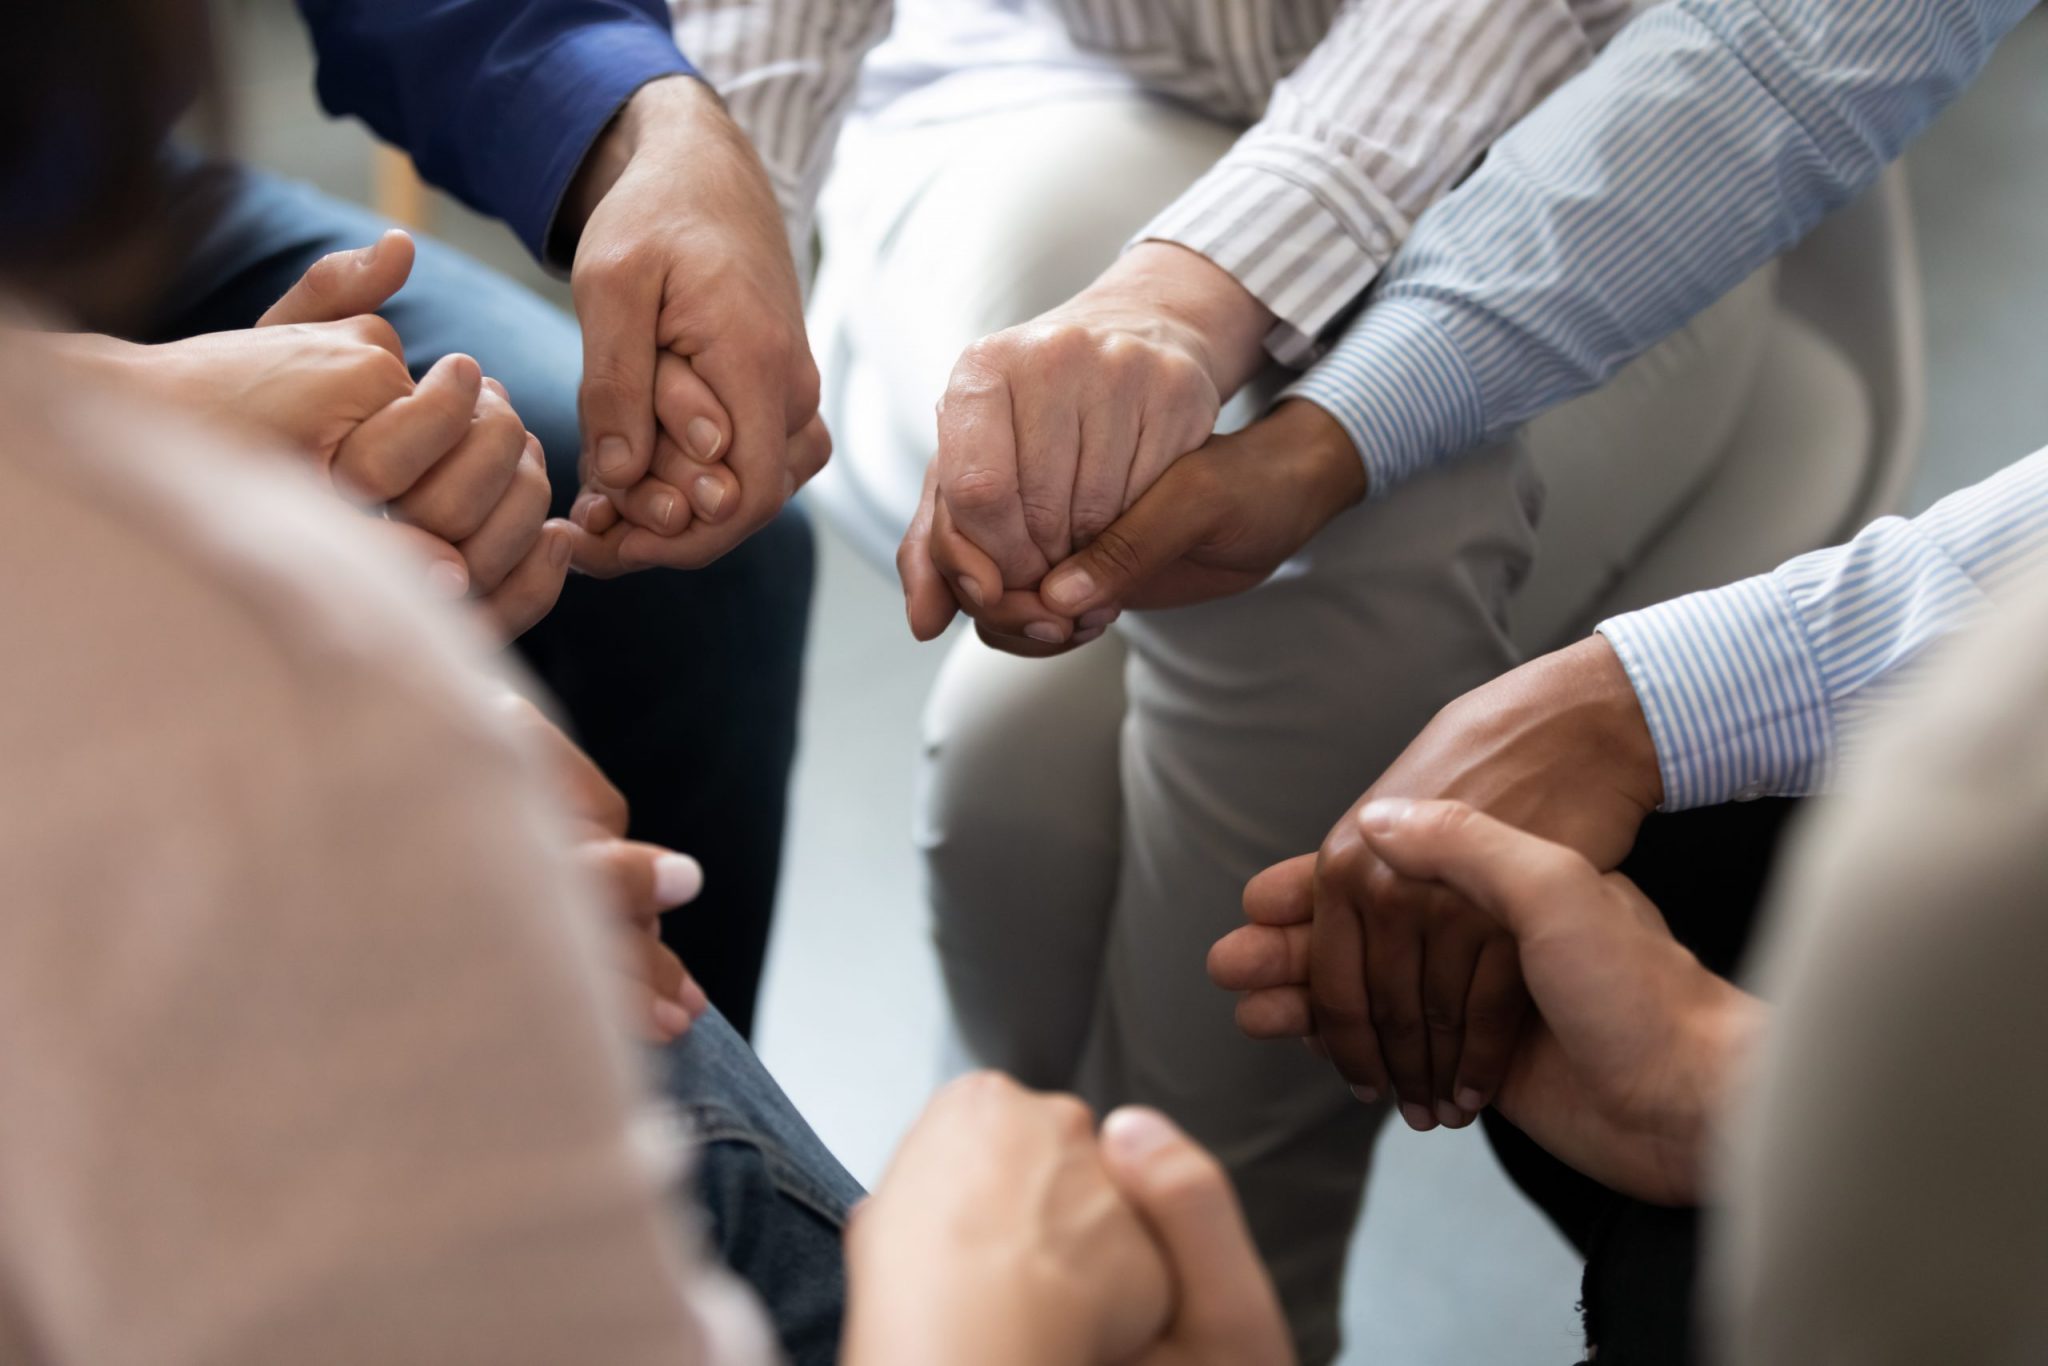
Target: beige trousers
{"x": 1089, "y": 822}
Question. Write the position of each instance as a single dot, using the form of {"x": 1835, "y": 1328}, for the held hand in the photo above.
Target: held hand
{"x": 1049, "y": 430}
{"x": 1411, "y": 987}
{"x": 641, "y": 881}
{"x": 697, "y": 371}
{"x": 997, "y": 1235}
{"x": 1635, "y": 1044}
{"x": 1216, "y": 523}
{"x": 1225, "y": 1310}
{"x": 1640, "y": 1043}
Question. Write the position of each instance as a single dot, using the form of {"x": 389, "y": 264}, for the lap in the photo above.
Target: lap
{"x": 776, "y": 1199}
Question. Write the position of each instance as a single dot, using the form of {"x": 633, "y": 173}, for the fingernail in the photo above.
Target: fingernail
{"x": 447, "y": 580}
{"x": 1070, "y": 589}
{"x": 1450, "y": 1116}
{"x": 664, "y": 509}
{"x": 1137, "y": 1131}
{"x": 677, "y": 879}
{"x": 969, "y": 590}
{"x": 558, "y": 549}
{"x": 670, "y": 1018}
{"x": 1382, "y": 814}
{"x": 585, "y": 508}
{"x": 703, "y": 438}
{"x": 1469, "y": 1100}
{"x": 1091, "y": 634}
{"x": 1045, "y": 631}
{"x": 710, "y": 494}
{"x": 1418, "y": 1117}
{"x": 614, "y": 457}
{"x": 1366, "y": 1095}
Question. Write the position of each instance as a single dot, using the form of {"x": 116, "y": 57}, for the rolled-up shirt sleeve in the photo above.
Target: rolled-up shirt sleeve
{"x": 498, "y": 101}
{"x": 1759, "y": 688}
{"x": 1394, "y": 105}
{"x": 1710, "y": 136}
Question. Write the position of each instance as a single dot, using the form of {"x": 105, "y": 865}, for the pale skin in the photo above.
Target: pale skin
{"x": 1634, "y": 1049}
{"x": 699, "y": 399}
{"x": 1050, "y": 430}
{"x": 1008, "y": 1229}
{"x": 460, "y": 481}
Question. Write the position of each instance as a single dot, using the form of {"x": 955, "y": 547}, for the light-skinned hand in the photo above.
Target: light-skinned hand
{"x": 641, "y": 881}
{"x": 1048, "y": 431}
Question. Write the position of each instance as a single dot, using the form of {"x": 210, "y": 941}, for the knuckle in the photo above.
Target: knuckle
{"x": 1443, "y": 1017}
{"x": 978, "y": 490}
{"x": 1043, "y": 520}
{"x": 1071, "y": 1119}
{"x": 1394, "y": 1025}
{"x": 1116, "y": 552}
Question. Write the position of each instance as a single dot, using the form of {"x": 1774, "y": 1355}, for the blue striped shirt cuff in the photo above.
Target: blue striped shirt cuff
{"x": 1735, "y": 701}
{"x": 1402, "y": 415}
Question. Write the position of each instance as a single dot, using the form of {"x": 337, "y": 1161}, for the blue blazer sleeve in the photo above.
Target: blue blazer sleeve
{"x": 498, "y": 101}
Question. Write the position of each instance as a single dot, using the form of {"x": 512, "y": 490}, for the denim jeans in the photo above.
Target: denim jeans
{"x": 777, "y": 1200}
{"x": 682, "y": 686}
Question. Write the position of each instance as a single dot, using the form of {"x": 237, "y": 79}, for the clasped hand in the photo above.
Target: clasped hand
{"x": 1077, "y": 475}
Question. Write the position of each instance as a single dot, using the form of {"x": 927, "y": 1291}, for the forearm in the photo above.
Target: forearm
{"x": 1395, "y": 104}
{"x": 1709, "y": 137}
{"x": 1755, "y": 689}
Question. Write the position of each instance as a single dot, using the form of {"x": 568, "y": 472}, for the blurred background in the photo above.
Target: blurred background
{"x": 1451, "y": 1266}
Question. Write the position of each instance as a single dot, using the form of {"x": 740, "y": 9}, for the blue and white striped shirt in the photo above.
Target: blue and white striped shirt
{"x": 1708, "y": 138}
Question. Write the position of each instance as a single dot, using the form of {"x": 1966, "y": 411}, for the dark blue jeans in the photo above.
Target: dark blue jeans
{"x": 682, "y": 686}
{"x": 777, "y": 1199}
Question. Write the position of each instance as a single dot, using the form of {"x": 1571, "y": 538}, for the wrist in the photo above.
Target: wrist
{"x": 1594, "y": 690}
{"x": 1720, "y": 1038}
{"x": 654, "y": 119}
{"x": 1220, "y": 322}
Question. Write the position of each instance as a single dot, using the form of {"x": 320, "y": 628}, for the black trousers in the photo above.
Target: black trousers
{"x": 1707, "y": 871}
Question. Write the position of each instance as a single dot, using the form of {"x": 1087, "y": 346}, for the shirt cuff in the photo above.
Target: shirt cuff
{"x": 1300, "y": 228}
{"x": 1401, "y": 389}
{"x": 573, "y": 91}
{"x": 1735, "y": 701}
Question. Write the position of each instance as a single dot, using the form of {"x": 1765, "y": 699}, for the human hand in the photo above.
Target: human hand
{"x": 1640, "y": 1043}
{"x": 1218, "y": 522}
{"x": 1225, "y": 1310}
{"x": 696, "y": 370}
{"x": 1049, "y": 430}
{"x": 1410, "y": 985}
{"x": 997, "y": 1235}
{"x": 447, "y": 460}
{"x": 641, "y": 881}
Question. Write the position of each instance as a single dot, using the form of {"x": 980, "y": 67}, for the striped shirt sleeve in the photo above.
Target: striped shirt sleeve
{"x": 787, "y": 71}
{"x": 1709, "y": 137}
{"x": 1759, "y": 688}
{"x": 1391, "y": 108}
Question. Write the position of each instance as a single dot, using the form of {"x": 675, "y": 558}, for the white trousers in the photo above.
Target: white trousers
{"x": 1089, "y": 822}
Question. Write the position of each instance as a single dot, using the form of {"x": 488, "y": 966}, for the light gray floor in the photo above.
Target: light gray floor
{"x": 1451, "y": 1267}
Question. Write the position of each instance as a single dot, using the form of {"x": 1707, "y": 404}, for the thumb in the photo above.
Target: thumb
{"x": 1155, "y": 531}
{"x": 1225, "y": 1307}
{"x": 346, "y": 284}
{"x": 1524, "y": 882}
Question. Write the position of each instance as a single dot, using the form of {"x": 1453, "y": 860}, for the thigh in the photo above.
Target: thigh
{"x": 1254, "y": 722}
{"x": 1018, "y": 821}
{"x": 937, "y": 235}
{"x": 776, "y": 1198}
